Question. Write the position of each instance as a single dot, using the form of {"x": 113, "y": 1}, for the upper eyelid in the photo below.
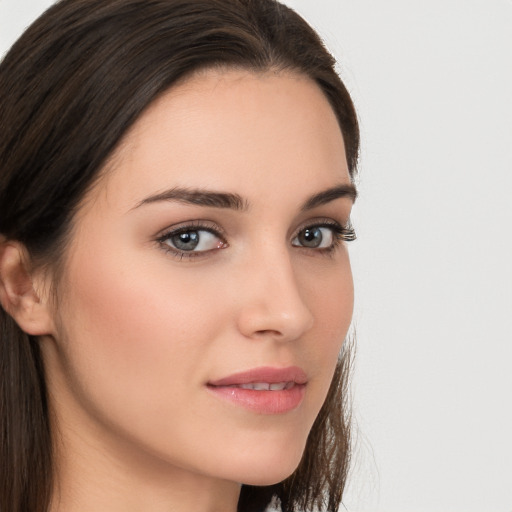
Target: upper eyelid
{"x": 320, "y": 222}
{"x": 194, "y": 225}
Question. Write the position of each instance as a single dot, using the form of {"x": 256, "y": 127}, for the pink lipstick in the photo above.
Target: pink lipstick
{"x": 265, "y": 390}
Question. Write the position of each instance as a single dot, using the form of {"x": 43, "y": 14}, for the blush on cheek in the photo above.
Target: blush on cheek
{"x": 137, "y": 326}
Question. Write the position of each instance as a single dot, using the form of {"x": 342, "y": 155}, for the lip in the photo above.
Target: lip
{"x": 264, "y": 374}
{"x": 263, "y": 401}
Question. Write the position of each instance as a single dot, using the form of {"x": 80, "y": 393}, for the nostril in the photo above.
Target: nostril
{"x": 268, "y": 332}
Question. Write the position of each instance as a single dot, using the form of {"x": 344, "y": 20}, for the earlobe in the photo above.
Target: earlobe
{"x": 18, "y": 295}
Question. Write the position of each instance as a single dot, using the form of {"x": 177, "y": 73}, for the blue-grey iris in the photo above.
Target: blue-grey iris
{"x": 310, "y": 237}
{"x": 186, "y": 241}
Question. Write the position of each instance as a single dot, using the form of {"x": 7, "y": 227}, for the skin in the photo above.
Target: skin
{"x": 139, "y": 330}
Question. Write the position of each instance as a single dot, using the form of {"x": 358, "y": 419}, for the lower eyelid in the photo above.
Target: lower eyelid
{"x": 186, "y": 255}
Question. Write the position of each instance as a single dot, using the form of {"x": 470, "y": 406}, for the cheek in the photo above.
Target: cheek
{"x": 132, "y": 299}
{"x": 135, "y": 347}
{"x": 329, "y": 294}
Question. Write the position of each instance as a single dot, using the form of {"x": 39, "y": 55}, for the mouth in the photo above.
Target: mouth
{"x": 263, "y": 390}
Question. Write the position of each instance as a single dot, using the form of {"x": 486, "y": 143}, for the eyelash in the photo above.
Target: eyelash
{"x": 340, "y": 234}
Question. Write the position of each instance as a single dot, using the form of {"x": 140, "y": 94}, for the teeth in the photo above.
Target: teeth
{"x": 258, "y": 386}
{"x": 265, "y": 386}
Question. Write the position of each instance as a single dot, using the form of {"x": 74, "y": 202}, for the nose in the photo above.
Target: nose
{"x": 271, "y": 303}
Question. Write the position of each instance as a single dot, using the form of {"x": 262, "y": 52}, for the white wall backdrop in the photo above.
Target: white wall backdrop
{"x": 433, "y": 264}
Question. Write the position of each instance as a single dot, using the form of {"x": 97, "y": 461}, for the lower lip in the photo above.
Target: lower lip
{"x": 263, "y": 402}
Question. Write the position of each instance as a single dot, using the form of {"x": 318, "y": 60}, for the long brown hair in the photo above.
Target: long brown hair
{"x": 70, "y": 88}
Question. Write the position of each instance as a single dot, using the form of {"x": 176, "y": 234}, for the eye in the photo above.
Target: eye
{"x": 315, "y": 237}
{"x": 325, "y": 236}
{"x": 192, "y": 239}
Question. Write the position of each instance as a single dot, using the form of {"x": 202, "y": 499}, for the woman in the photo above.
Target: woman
{"x": 175, "y": 192}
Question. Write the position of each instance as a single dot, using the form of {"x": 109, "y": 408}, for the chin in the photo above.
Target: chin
{"x": 267, "y": 478}
{"x": 263, "y": 471}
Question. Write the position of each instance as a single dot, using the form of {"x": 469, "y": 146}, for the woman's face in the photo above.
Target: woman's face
{"x": 210, "y": 256}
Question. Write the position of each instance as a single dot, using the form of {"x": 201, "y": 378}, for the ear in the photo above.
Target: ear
{"x": 18, "y": 294}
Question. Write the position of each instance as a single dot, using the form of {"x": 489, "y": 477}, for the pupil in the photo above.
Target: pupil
{"x": 311, "y": 237}
{"x": 186, "y": 241}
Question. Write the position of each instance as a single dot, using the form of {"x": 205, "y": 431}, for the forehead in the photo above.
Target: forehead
{"x": 250, "y": 132}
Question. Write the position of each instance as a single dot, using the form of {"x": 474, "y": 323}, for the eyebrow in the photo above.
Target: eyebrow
{"x": 199, "y": 197}
{"x": 346, "y": 190}
{"x": 236, "y": 202}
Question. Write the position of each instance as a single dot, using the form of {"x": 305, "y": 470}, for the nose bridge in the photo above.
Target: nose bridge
{"x": 272, "y": 303}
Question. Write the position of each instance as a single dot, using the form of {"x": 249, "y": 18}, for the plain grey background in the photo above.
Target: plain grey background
{"x": 432, "y": 82}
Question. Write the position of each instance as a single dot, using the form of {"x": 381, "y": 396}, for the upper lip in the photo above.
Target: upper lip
{"x": 267, "y": 374}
